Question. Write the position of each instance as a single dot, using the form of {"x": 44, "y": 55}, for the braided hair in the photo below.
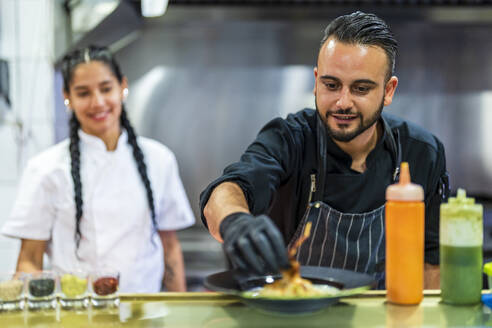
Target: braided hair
{"x": 69, "y": 63}
{"x": 139, "y": 158}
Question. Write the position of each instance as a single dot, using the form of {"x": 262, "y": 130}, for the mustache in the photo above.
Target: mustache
{"x": 347, "y": 111}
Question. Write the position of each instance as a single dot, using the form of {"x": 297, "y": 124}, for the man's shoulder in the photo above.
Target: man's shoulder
{"x": 301, "y": 121}
{"x": 412, "y": 132}
{"x": 303, "y": 118}
{"x": 297, "y": 128}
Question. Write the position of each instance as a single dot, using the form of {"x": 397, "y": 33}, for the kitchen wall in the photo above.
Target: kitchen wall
{"x": 203, "y": 80}
{"x": 218, "y": 74}
{"x": 26, "y": 30}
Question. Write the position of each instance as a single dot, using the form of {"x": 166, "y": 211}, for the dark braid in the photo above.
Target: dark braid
{"x": 139, "y": 158}
{"x": 75, "y": 170}
{"x": 69, "y": 63}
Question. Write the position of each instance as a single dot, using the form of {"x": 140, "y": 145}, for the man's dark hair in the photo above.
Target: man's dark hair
{"x": 364, "y": 29}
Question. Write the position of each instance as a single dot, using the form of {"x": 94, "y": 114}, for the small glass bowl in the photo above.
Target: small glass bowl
{"x": 73, "y": 289}
{"x": 12, "y": 291}
{"x": 104, "y": 285}
{"x": 41, "y": 290}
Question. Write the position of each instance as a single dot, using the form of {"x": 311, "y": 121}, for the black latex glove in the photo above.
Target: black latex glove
{"x": 253, "y": 244}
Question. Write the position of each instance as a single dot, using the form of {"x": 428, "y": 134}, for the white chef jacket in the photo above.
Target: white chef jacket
{"x": 116, "y": 224}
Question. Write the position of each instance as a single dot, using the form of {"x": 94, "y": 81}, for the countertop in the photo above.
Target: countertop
{"x": 210, "y": 309}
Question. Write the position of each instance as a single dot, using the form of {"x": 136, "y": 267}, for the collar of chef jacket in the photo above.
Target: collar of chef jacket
{"x": 98, "y": 143}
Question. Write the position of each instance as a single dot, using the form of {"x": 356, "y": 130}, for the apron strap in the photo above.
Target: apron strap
{"x": 392, "y": 141}
{"x": 322, "y": 160}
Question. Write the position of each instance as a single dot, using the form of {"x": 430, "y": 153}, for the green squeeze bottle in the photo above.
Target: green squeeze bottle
{"x": 460, "y": 240}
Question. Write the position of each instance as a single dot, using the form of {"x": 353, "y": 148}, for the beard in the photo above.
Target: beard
{"x": 364, "y": 124}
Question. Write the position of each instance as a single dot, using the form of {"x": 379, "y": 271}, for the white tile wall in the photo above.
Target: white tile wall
{"x": 26, "y": 41}
{"x": 8, "y": 164}
{"x": 8, "y": 247}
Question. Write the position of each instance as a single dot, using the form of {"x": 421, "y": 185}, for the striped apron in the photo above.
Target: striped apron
{"x": 344, "y": 240}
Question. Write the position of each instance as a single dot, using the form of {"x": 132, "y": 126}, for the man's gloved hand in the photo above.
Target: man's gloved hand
{"x": 253, "y": 244}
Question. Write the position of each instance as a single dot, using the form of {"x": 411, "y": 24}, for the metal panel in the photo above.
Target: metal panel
{"x": 203, "y": 80}
{"x": 205, "y": 86}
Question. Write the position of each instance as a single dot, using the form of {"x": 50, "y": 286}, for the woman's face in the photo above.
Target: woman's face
{"x": 96, "y": 98}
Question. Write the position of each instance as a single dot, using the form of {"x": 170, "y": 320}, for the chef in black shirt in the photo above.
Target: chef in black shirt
{"x": 330, "y": 166}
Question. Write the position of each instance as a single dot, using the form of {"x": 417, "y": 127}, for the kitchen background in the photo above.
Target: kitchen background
{"x": 206, "y": 75}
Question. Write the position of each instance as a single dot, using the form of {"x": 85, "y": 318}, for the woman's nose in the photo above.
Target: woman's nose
{"x": 97, "y": 99}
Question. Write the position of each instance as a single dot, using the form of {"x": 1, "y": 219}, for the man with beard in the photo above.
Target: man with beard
{"x": 341, "y": 157}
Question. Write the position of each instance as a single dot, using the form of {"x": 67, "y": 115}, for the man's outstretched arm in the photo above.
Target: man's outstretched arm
{"x": 226, "y": 198}
{"x": 252, "y": 244}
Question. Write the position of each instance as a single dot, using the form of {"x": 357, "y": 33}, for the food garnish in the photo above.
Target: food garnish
{"x": 292, "y": 284}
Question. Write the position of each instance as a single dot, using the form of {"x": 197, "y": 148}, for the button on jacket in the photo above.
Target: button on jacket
{"x": 116, "y": 225}
{"x": 275, "y": 173}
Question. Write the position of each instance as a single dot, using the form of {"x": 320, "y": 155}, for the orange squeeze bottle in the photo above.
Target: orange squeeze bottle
{"x": 405, "y": 220}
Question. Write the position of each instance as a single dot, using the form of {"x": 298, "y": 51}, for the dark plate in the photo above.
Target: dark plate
{"x": 234, "y": 283}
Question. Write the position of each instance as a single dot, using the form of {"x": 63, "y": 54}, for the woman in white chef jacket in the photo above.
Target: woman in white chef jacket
{"x": 103, "y": 197}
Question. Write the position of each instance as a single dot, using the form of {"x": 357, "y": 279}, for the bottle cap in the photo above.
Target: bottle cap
{"x": 461, "y": 198}
{"x": 461, "y": 206}
{"x": 487, "y": 269}
{"x": 405, "y": 190}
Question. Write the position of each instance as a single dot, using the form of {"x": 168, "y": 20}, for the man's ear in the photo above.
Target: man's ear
{"x": 389, "y": 90}
{"x": 315, "y": 71}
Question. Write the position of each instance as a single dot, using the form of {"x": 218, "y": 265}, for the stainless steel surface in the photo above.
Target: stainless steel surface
{"x": 203, "y": 80}
{"x": 205, "y": 85}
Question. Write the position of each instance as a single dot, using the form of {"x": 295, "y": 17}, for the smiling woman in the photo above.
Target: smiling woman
{"x": 95, "y": 96}
{"x": 94, "y": 91}
{"x": 104, "y": 198}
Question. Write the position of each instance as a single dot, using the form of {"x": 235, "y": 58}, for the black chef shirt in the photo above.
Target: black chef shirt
{"x": 275, "y": 173}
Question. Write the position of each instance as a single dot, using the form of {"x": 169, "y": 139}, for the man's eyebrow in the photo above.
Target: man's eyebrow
{"x": 329, "y": 77}
{"x": 336, "y": 79}
{"x": 366, "y": 81}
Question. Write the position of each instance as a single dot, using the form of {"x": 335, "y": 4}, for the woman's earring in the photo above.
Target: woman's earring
{"x": 66, "y": 102}
{"x": 125, "y": 93}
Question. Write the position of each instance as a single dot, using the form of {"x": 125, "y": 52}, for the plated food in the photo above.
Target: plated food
{"x": 292, "y": 285}
{"x": 344, "y": 282}
{"x": 300, "y": 289}
{"x": 294, "y": 291}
